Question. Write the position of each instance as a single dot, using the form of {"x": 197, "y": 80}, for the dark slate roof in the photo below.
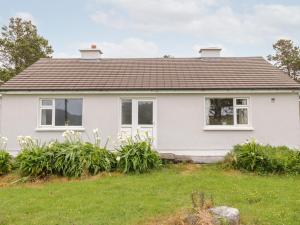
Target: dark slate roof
{"x": 151, "y": 74}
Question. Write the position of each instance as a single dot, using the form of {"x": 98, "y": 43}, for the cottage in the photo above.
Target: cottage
{"x": 198, "y": 107}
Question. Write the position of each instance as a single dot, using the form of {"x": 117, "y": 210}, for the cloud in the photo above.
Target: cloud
{"x": 210, "y": 19}
{"x": 129, "y": 47}
{"x": 26, "y": 16}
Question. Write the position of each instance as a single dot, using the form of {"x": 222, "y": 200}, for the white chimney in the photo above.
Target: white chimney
{"x": 210, "y": 52}
{"x": 91, "y": 53}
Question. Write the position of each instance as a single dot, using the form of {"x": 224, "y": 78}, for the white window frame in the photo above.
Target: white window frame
{"x": 235, "y": 126}
{"x": 52, "y": 127}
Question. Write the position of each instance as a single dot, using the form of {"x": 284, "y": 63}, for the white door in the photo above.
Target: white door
{"x": 138, "y": 117}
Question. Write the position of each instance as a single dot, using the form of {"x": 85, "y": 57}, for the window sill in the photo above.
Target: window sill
{"x": 216, "y": 128}
{"x": 41, "y": 129}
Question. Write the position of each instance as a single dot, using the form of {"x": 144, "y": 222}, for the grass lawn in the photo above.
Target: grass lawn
{"x": 137, "y": 199}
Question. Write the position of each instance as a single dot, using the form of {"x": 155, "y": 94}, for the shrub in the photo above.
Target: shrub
{"x": 5, "y": 157}
{"x": 260, "y": 158}
{"x": 136, "y": 155}
{"x": 5, "y": 162}
{"x": 34, "y": 159}
{"x": 99, "y": 159}
{"x": 75, "y": 159}
{"x": 71, "y": 158}
{"x": 35, "y": 162}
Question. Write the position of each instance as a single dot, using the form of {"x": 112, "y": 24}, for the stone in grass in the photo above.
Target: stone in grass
{"x": 224, "y": 214}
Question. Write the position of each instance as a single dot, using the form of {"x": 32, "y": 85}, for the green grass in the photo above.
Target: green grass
{"x": 136, "y": 199}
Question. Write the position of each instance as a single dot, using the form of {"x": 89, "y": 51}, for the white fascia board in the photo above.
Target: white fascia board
{"x": 272, "y": 91}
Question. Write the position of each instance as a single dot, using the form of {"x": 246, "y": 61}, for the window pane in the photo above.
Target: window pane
{"x": 145, "y": 112}
{"x": 241, "y": 101}
{"x": 74, "y": 112}
{"x": 242, "y": 116}
{"x": 46, "y": 117}
{"x": 46, "y": 102}
{"x": 60, "y": 115}
{"x": 68, "y": 112}
{"x": 220, "y": 111}
{"x": 127, "y": 111}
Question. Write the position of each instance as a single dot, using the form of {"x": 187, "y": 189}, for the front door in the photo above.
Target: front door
{"x": 137, "y": 117}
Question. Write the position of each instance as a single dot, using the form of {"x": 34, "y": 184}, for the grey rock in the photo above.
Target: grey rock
{"x": 224, "y": 214}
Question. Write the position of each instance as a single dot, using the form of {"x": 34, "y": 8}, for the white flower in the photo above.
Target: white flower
{"x": 95, "y": 131}
{"x": 4, "y": 139}
{"x": 118, "y": 158}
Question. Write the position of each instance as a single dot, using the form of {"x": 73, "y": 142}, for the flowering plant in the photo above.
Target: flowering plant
{"x": 3, "y": 143}
{"x": 27, "y": 142}
{"x": 72, "y": 136}
{"x": 97, "y": 138}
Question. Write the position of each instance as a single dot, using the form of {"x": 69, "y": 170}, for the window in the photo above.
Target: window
{"x": 126, "y": 111}
{"x": 227, "y": 111}
{"x": 61, "y": 112}
{"x": 145, "y": 112}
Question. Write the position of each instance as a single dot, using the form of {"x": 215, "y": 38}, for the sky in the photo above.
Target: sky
{"x": 153, "y": 28}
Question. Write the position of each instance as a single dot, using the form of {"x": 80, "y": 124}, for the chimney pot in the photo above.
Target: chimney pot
{"x": 93, "y": 46}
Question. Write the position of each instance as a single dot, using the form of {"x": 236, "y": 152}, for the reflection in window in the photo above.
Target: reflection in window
{"x": 127, "y": 111}
{"x": 46, "y": 117}
{"x": 227, "y": 111}
{"x": 145, "y": 112}
{"x": 68, "y": 112}
{"x": 61, "y": 112}
{"x": 242, "y": 116}
{"x": 220, "y": 111}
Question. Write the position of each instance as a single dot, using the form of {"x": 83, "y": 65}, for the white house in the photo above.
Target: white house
{"x": 191, "y": 106}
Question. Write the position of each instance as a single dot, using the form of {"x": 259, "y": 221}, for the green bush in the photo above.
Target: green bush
{"x": 35, "y": 162}
{"x": 5, "y": 162}
{"x": 259, "y": 158}
{"x": 99, "y": 159}
{"x": 71, "y": 158}
{"x": 75, "y": 159}
{"x": 136, "y": 155}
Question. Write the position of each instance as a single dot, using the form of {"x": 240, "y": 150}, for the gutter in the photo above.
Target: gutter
{"x": 170, "y": 91}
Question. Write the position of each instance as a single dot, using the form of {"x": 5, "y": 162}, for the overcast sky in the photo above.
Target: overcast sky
{"x": 153, "y": 28}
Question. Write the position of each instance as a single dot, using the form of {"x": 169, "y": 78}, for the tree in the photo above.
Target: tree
{"x": 20, "y": 46}
{"x": 287, "y": 57}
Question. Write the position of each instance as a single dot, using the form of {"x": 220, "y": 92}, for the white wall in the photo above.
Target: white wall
{"x": 180, "y": 121}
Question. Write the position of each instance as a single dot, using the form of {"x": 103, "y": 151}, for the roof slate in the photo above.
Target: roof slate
{"x": 150, "y": 74}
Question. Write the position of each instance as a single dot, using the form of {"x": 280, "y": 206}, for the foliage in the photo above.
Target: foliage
{"x": 71, "y": 158}
{"x": 287, "y": 57}
{"x": 136, "y": 155}
{"x": 5, "y": 157}
{"x": 5, "y": 162}
{"x": 34, "y": 159}
{"x": 256, "y": 157}
{"x": 20, "y": 46}
{"x": 35, "y": 162}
